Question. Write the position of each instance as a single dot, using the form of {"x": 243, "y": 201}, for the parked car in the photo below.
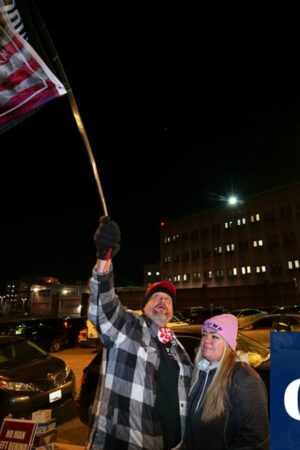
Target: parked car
{"x": 88, "y": 335}
{"x": 286, "y": 309}
{"x": 246, "y": 316}
{"x": 189, "y": 335}
{"x": 261, "y": 329}
{"x": 73, "y": 325}
{"x": 31, "y": 379}
{"x": 198, "y": 314}
{"x": 50, "y": 334}
{"x": 88, "y": 386}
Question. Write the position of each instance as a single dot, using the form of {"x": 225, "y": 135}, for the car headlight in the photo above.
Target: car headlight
{"x": 18, "y": 386}
{"x": 67, "y": 371}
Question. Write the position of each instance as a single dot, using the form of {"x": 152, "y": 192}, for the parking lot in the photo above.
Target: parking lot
{"x": 73, "y": 431}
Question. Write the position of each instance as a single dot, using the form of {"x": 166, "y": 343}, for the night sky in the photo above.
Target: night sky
{"x": 179, "y": 110}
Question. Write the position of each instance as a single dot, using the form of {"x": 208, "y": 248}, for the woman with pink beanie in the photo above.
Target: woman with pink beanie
{"x": 228, "y": 401}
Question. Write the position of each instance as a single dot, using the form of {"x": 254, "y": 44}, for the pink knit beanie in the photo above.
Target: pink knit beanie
{"x": 226, "y": 325}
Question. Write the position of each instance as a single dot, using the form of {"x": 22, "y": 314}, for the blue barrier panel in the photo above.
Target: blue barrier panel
{"x": 284, "y": 391}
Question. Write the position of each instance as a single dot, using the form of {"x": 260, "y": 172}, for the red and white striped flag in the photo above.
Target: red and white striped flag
{"x": 26, "y": 82}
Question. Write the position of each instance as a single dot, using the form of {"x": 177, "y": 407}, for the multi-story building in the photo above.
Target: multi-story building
{"x": 152, "y": 274}
{"x": 44, "y": 297}
{"x": 256, "y": 241}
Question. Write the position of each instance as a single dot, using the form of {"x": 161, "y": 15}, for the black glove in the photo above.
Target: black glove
{"x": 107, "y": 236}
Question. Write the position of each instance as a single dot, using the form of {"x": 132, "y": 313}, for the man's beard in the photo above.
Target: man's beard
{"x": 160, "y": 318}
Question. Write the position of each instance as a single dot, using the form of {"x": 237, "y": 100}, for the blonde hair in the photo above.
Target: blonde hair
{"x": 214, "y": 400}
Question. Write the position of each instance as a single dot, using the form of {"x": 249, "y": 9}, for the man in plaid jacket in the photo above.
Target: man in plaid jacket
{"x": 145, "y": 371}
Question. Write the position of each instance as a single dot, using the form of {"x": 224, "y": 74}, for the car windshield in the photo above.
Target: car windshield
{"x": 175, "y": 319}
{"x": 19, "y": 352}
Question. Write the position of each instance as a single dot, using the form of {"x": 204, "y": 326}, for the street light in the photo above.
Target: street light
{"x": 232, "y": 200}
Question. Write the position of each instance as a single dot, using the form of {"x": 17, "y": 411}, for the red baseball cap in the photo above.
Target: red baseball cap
{"x": 160, "y": 286}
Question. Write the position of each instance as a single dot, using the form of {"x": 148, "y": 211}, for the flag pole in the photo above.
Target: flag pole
{"x": 75, "y": 110}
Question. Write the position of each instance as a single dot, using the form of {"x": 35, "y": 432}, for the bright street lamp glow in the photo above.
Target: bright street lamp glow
{"x": 232, "y": 200}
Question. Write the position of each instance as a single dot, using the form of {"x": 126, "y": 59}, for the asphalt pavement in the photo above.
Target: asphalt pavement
{"x": 72, "y": 434}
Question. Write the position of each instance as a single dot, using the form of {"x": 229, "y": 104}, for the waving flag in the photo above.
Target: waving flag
{"x": 26, "y": 82}
{"x": 27, "y": 79}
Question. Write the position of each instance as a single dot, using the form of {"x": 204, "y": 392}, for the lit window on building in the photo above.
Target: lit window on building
{"x": 186, "y": 277}
{"x": 255, "y": 217}
{"x": 228, "y": 225}
{"x": 218, "y": 250}
{"x": 232, "y": 272}
{"x": 208, "y": 275}
{"x": 241, "y": 222}
{"x": 295, "y": 264}
{"x": 230, "y": 248}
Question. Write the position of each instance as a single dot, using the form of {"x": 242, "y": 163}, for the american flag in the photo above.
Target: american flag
{"x": 26, "y": 82}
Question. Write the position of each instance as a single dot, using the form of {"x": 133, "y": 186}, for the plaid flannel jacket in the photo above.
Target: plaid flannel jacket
{"x": 123, "y": 411}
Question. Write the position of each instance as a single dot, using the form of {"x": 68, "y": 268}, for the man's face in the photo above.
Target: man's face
{"x": 159, "y": 308}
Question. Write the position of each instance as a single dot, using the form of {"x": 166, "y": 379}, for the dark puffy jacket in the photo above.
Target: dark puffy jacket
{"x": 245, "y": 423}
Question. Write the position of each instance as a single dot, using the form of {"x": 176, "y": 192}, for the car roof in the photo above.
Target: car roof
{"x": 9, "y": 339}
{"x": 195, "y": 330}
{"x": 30, "y": 320}
{"x": 279, "y": 315}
